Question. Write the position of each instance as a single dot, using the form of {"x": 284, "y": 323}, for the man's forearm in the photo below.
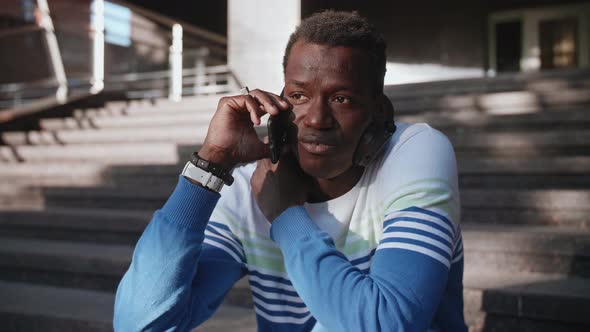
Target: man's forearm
{"x": 339, "y": 295}
{"x": 156, "y": 289}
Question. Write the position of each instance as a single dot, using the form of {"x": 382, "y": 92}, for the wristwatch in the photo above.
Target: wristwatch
{"x": 207, "y": 179}
{"x": 212, "y": 168}
{"x": 210, "y": 175}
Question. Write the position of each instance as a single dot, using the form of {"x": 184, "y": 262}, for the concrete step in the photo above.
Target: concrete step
{"x": 464, "y": 121}
{"x": 571, "y": 142}
{"x": 76, "y": 225}
{"x": 514, "y": 248}
{"x": 190, "y": 134}
{"x": 538, "y": 173}
{"x": 527, "y": 199}
{"x": 230, "y": 318}
{"x": 185, "y": 103}
{"x": 521, "y": 144}
{"x": 85, "y": 174}
{"x": 156, "y": 153}
{"x": 94, "y": 266}
{"x": 558, "y": 172}
{"x": 492, "y": 299}
{"x": 27, "y": 307}
{"x": 495, "y": 216}
{"x": 104, "y": 112}
{"x": 526, "y": 207}
{"x": 509, "y": 102}
{"x": 448, "y": 123}
{"x": 499, "y": 301}
{"x": 521, "y": 140}
{"x": 529, "y": 181}
{"x": 574, "y": 199}
{"x": 535, "y": 206}
{"x": 525, "y": 166}
{"x": 80, "y": 265}
{"x": 539, "y": 81}
{"x": 185, "y": 134}
{"x": 571, "y": 117}
{"x": 36, "y": 308}
{"x": 493, "y": 302}
{"x": 133, "y": 198}
{"x": 136, "y": 119}
{"x": 517, "y": 248}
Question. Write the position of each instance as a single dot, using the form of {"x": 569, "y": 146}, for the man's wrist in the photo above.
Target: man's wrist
{"x": 217, "y": 156}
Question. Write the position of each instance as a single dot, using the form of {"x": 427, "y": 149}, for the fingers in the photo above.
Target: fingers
{"x": 253, "y": 108}
{"x": 271, "y": 103}
{"x": 257, "y": 103}
{"x": 241, "y": 104}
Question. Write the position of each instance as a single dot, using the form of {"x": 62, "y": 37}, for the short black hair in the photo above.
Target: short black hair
{"x": 339, "y": 28}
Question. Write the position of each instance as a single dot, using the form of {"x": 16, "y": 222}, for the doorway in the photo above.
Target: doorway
{"x": 508, "y": 46}
{"x": 558, "y": 41}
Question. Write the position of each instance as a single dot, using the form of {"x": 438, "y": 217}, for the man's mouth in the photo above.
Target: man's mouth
{"x": 317, "y": 144}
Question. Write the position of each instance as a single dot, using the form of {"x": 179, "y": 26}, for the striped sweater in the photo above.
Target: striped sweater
{"x": 385, "y": 256}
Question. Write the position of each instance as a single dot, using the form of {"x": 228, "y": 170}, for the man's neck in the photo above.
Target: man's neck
{"x": 327, "y": 189}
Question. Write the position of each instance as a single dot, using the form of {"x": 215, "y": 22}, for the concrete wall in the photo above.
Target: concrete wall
{"x": 427, "y": 39}
{"x": 257, "y": 35}
{"x": 432, "y": 39}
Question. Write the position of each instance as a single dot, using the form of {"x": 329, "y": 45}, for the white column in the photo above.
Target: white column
{"x": 531, "y": 51}
{"x": 97, "y": 27}
{"x": 175, "y": 92}
{"x": 200, "y": 70}
{"x": 54, "y": 53}
{"x": 258, "y": 32}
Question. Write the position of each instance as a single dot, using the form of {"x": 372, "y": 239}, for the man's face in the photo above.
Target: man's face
{"x": 331, "y": 91}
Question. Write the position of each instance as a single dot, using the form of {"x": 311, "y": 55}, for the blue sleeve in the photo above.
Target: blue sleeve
{"x": 400, "y": 293}
{"x": 182, "y": 266}
{"x": 409, "y": 269}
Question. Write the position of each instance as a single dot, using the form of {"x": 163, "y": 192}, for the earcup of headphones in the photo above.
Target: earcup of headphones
{"x": 376, "y": 135}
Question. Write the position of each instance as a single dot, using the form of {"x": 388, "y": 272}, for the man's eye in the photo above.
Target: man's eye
{"x": 341, "y": 99}
{"x": 297, "y": 96}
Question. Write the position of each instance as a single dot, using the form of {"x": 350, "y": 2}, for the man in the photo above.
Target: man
{"x": 338, "y": 236}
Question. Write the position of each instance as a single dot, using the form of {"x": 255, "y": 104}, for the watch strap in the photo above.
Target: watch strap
{"x": 212, "y": 168}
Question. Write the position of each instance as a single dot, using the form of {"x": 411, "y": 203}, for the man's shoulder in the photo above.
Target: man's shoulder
{"x": 413, "y": 137}
{"x": 416, "y": 153}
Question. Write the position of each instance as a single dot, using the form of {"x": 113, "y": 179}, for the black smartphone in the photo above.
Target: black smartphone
{"x": 277, "y": 127}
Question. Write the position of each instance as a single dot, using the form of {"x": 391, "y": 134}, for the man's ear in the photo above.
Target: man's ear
{"x": 377, "y": 134}
{"x": 386, "y": 111}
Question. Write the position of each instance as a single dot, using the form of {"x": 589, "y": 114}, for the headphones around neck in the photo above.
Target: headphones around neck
{"x": 376, "y": 135}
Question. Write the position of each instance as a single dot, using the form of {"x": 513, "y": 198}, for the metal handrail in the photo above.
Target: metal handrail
{"x": 197, "y": 32}
{"x": 181, "y": 80}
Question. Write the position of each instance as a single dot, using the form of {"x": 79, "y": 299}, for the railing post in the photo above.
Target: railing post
{"x": 54, "y": 54}
{"x": 200, "y": 69}
{"x": 175, "y": 92}
{"x": 97, "y": 26}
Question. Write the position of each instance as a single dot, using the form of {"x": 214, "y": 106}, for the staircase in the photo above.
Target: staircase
{"x": 76, "y": 195}
{"x": 523, "y": 149}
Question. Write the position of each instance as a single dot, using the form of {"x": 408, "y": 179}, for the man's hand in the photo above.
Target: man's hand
{"x": 231, "y": 137}
{"x": 277, "y": 187}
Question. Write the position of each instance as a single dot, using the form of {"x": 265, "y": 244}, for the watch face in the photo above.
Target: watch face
{"x": 203, "y": 177}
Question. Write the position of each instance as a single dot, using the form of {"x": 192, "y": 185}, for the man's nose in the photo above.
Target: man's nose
{"x": 319, "y": 115}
